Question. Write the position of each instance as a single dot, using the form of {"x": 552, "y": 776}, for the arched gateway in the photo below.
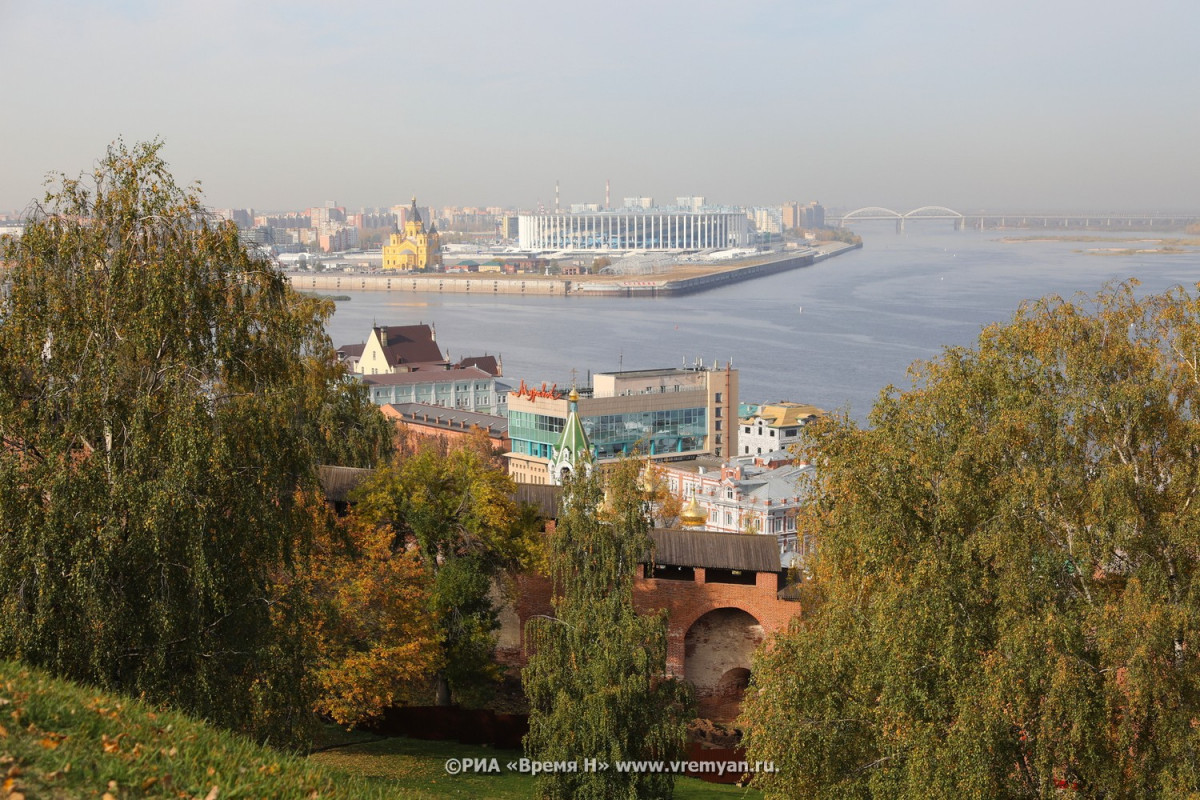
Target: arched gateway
{"x": 718, "y": 654}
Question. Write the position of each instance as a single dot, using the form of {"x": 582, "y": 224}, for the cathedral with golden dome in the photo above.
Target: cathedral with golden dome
{"x": 415, "y": 248}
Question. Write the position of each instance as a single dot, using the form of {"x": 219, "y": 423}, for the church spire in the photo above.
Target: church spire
{"x": 573, "y": 447}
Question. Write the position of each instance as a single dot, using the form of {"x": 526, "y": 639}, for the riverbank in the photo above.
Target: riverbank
{"x": 679, "y": 280}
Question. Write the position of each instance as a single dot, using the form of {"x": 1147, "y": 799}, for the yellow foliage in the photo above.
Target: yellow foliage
{"x": 374, "y": 636}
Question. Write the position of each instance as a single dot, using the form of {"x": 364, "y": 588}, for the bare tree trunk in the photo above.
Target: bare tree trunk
{"x": 443, "y": 690}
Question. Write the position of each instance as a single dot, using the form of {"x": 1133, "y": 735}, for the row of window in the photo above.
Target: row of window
{"x": 788, "y": 432}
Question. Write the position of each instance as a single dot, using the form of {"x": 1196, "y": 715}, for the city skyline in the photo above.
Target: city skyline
{"x": 283, "y": 106}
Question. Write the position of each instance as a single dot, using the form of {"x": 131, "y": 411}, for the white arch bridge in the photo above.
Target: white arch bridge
{"x": 871, "y": 213}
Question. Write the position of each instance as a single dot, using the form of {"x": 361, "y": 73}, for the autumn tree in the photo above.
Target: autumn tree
{"x": 1005, "y": 599}
{"x": 664, "y": 504}
{"x": 596, "y": 678}
{"x": 375, "y": 640}
{"x": 164, "y": 398}
{"x": 455, "y": 508}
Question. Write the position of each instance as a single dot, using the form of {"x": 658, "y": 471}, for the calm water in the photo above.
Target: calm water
{"x": 832, "y": 335}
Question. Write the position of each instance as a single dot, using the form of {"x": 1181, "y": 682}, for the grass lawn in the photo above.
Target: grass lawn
{"x": 62, "y": 741}
{"x": 418, "y": 766}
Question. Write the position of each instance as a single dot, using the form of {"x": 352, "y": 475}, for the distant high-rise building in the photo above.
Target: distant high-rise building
{"x": 767, "y": 220}
{"x": 795, "y": 215}
{"x": 815, "y": 214}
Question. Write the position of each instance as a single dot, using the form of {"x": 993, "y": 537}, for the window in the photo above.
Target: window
{"x": 735, "y": 576}
{"x": 747, "y": 429}
{"x": 671, "y": 573}
{"x": 718, "y": 424}
{"x": 718, "y": 397}
{"x": 772, "y": 434}
{"x": 717, "y": 412}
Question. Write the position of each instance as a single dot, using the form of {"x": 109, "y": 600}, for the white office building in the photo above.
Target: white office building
{"x": 635, "y": 229}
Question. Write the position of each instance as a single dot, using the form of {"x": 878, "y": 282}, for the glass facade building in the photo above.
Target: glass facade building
{"x": 681, "y": 430}
{"x": 669, "y": 414}
{"x": 632, "y": 229}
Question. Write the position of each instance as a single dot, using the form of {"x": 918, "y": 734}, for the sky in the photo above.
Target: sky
{"x": 1050, "y": 105}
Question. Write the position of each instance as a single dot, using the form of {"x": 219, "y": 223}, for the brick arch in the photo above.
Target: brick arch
{"x": 687, "y": 617}
{"x": 719, "y": 649}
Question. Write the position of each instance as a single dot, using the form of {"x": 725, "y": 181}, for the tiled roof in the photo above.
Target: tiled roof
{"x": 486, "y": 363}
{"x": 408, "y": 344}
{"x": 432, "y": 374}
{"x": 449, "y": 418}
{"x": 781, "y": 415}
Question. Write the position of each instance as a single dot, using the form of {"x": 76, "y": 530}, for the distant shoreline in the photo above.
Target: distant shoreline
{"x": 679, "y": 280}
{"x": 336, "y": 297}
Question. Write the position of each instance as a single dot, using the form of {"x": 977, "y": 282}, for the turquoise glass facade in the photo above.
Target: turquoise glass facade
{"x": 682, "y": 430}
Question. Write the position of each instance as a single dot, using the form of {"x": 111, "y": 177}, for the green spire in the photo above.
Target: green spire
{"x": 573, "y": 445}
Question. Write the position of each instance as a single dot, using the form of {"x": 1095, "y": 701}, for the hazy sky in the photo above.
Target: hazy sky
{"x": 1050, "y": 104}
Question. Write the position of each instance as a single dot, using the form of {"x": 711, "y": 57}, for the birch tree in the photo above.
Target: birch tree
{"x": 1005, "y": 599}
{"x": 164, "y": 398}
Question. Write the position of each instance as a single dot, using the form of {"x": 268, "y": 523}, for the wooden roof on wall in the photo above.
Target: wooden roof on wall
{"x": 751, "y": 552}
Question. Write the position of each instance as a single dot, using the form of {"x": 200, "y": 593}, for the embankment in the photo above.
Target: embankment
{"x": 509, "y": 285}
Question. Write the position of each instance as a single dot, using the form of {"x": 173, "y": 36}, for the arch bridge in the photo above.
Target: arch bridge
{"x": 924, "y": 212}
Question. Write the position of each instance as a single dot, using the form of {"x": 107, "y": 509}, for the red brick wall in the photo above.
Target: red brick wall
{"x": 684, "y": 601}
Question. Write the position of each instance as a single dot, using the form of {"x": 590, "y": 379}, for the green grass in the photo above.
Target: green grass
{"x": 419, "y": 766}
{"x": 62, "y": 740}
{"x": 59, "y": 740}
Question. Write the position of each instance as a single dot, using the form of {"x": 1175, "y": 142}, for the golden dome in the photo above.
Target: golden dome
{"x": 573, "y": 396}
{"x": 692, "y": 515}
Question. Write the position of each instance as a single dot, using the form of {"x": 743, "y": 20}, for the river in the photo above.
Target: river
{"x": 833, "y": 335}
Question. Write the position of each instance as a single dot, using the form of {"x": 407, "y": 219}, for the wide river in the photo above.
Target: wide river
{"x": 833, "y": 335}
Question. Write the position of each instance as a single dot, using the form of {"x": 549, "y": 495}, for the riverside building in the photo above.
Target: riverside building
{"x": 635, "y": 229}
{"x": 666, "y": 414}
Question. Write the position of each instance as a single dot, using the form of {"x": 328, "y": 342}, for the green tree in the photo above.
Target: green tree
{"x": 1005, "y": 602}
{"x": 164, "y": 396}
{"x": 596, "y": 677}
{"x": 456, "y": 509}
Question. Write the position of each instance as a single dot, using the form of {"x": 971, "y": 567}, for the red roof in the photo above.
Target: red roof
{"x": 409, "y": 344}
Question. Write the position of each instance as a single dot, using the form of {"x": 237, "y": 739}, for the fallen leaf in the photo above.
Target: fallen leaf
{"x": 212, "y": 794}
